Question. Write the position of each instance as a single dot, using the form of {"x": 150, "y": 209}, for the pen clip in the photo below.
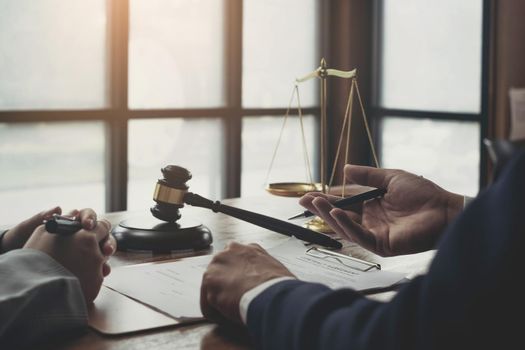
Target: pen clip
{"x": 64, "y": 217}
{"x": 341, "y": 258}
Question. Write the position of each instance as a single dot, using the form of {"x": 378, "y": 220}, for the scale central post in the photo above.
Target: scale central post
{"x": 322, "y": 73}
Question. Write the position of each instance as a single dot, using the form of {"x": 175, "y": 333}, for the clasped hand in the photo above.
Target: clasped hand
{"x": 85, "y": 253}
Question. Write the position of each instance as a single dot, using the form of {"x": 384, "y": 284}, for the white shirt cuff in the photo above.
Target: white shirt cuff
{"x": 247, "y": 297}
{"x": 467, "y": 200}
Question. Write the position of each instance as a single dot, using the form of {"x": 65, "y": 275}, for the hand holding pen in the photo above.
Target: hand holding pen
{"x": 17, "y": 236}
{"x": 83, "y": 250}
{"x": 346, "y": 202}
{"x": 66, "y": 225}
{"x": 408, "y": 218}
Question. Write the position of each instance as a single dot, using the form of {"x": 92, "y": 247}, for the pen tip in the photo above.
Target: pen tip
{"x": 296, "y": 216}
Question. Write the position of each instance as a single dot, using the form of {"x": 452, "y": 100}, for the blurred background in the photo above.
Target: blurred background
{"x": 96, "y": 96}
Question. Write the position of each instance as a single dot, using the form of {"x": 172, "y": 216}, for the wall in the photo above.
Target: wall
{"x": 508, "y": 62}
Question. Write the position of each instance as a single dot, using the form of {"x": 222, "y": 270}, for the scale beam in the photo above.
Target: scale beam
{"x": 318, "y": 73}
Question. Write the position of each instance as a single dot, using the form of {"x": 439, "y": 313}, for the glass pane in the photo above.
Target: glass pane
{"x": 446, "y": 152}
{"x": 49, "y": 164}
{"x": 53, "y": 54}
{"x": 432, "y": 55}
{"x": 259, "y": 140}
{"x": 176, "y": 54}
{"x": 194, "y": 144}
{"x": 280, "y": 44}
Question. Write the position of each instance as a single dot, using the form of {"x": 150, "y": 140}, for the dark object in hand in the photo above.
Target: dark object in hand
{"x": 62, "y": 226}
{"x": 344, "y": 203}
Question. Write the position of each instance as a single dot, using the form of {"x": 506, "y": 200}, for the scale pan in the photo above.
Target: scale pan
{"x": 292, "y": 189}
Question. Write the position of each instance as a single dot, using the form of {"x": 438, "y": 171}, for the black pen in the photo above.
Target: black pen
{"x": 62, "y": 225}
{"x": 345, "y": 202}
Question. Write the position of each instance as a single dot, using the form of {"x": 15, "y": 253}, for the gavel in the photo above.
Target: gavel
{"x": 171, "y": 193}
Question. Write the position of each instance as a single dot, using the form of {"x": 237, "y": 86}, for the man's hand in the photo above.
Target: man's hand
{"x": 17, "y": 236}
{"x": 408, "y": 219}
{"x": 233, "y": 272}
{"x": 84, "y": 253}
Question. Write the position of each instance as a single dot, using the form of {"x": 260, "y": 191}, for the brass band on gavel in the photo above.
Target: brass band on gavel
{"x": 168, "y": 195}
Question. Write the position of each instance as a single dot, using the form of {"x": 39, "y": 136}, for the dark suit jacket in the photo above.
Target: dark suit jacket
{"x": 472, "y": 296}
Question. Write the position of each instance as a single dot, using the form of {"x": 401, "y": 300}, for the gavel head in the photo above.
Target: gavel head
{"x": 169, "y": 193}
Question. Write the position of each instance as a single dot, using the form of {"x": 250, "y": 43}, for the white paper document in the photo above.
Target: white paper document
{"x": 174, "y": 287}
{"x": 329, "y": 270}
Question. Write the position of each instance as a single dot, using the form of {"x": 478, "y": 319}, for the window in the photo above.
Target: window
{"x": 429, "y": 95}
{"x": 194, "y": 143}
{"x": 97, "y": 96}
{"x": 272, "y": 59}
{"x": 259, "y": 141}
{"x": 53, "y": 55}
{"x": 48, "y": 68}
{"x": 176, "y": 54}
{"x": 45, "y": 164}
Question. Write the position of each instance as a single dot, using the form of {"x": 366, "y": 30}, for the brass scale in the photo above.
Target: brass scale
{"x": 297, "y": 189}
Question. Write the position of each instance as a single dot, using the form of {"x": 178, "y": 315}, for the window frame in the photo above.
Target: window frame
{"x": 118, "y": 114}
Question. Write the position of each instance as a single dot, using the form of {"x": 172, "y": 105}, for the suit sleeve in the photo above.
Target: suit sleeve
{"x": 38, "y": 297}
{"x": 469, "y": 298}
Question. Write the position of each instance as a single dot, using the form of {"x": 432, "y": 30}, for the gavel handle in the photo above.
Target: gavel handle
{"x": 264, "y": 221}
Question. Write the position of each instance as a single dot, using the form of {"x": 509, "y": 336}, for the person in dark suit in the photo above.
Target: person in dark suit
{"x": 47, "y": 280}
{"x": 470, "y": 298}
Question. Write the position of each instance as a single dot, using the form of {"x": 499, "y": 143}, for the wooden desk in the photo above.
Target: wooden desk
{"x": 224, "y": 230}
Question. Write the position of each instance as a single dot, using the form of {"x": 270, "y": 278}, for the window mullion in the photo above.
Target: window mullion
{"x": 117, "y": 126}
{"x": 233, "y": 123}
{"x": 485, "y": 71}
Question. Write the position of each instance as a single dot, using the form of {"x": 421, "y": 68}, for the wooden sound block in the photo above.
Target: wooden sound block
{"x": 148, "y": 233}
